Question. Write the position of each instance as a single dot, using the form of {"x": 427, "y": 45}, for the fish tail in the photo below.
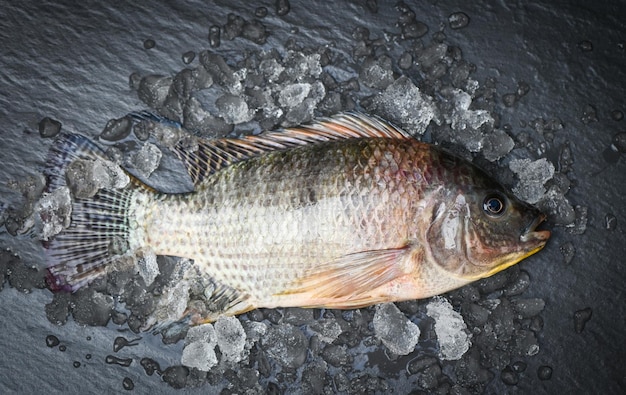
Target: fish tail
{"x": 99, "y": 232}
{"x": 99, "y": 229}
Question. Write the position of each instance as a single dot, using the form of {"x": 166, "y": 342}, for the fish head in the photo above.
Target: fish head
{"x": 478, "y": 229}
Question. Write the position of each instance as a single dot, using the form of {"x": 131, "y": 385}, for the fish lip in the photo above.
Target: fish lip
{"x": 530, "y": 234}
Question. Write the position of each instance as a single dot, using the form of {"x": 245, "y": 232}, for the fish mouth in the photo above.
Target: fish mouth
{"x": 531, "y": 234}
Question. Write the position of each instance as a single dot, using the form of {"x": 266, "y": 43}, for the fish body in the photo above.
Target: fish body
{"x": 343, "y": 213}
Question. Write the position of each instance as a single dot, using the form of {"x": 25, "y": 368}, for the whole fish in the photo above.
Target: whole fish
{"x": 343, "y": 213}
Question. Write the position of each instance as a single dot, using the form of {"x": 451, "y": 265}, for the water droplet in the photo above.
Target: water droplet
{"x": 282, "y": 7}
{"x": 121, "y": 342}
{"x": 260, "y": 12}
{"x": 52, "y": 341}
{"x": 406, "y": 61}
{"x": 581, "y": 317}
{"x": 88, "y": 338}
{"x": 509, "y": 99}
{"x": 580, "y": 223}
{"x": 509, "y": 376}
{"x": 617, "y": 115}
{"x": 188, "y": 57}
{"x": 610, "y": 221}
{"x": 568, "y": 250}
{"x": 585, "y": 46}
{"x": 88, "y": 356}
{"x": 150, "y": 366}
{"x": 619, "y": 142}
{"x": 519, "y": 366}
{"x": 110, "y": 359}
{"x": 62, "y": 347}
{"x": 149, "y": 43}
{"x": 611, "y": 154}
{"x": 590, "y": 114}
{"x": 128, "y": 384}
{"x": 214, "y": 36}
{"x": 76, "y": 364}
{"x": 544, "y": 372}
{"x": 458, "y": 20}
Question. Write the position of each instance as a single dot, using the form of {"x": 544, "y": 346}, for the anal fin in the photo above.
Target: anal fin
{"x": 223, "y": 301}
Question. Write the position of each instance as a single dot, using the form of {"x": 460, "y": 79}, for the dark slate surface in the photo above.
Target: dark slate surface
{"x": 72, "y": 62}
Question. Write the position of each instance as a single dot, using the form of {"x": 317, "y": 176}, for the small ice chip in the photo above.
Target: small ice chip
{"x": 465, "y": 121}
{"x": 54, "y": 211}
{"x": 451, "y": 330}
{"x": 148, "y": 267}
{"x": 153, "y": 90}
{"x": 49, "y": 127}
{"x": 397, "y": 332}
{"x": 172, "y": 304}
{"x": 254, "y": 332}
{"x": 293, "y": 94}
{"x": 233, "y": 109}
{"x": 147, "y": 159}
{"x": 287, "y": 345}
{"x": 377, "y": 73}
{"x": 497, "y": 144}
{"x": 199, "y": 351}
{"x": 532, "y": 177}
{"x": 402, "y": 102}
{"x": 328, "y": 330}
{"x": 231, "y": 338}
{"x": 109, "y": 175}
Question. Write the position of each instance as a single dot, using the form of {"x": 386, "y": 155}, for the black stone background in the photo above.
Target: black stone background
{"x": 71, "y": 62}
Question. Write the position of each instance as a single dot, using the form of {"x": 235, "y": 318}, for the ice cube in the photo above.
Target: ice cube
{"x": 467, "y": 123}
{"x": 231, "y": 338}
{"x": 54, "y": 210}
{"x": 148, "y": 267}
{"x": 451, "y": 330}
{"x": 199, "y": 351}
{"x": 286, "y": 344}
{"x": 233, "y": 109}
{"x": 403, "y": 103}
{"x": 153, "y": 90}
{"x": 532, "y": 177}
{"x": 497, "y": 144}
{"x": 147, "y": 159}
{"x": 397, "y": 332}
{"x": 327, "y": 329}
{"x": 293, "y": 94}
{"x": 377, "y": 72}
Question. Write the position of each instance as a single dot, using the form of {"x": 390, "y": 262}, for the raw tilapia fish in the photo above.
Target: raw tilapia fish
{"x": 346, "y": 212}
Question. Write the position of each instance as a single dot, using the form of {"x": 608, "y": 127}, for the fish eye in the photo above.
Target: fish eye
{"x": 494, "y": 205}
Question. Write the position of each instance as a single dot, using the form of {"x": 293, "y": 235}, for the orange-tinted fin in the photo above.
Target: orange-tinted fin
{"x": 348, "y": 281}
{"x": 223, "y": 301}
{"x": 210, "y": 156}
{"x": 226, "y": 300}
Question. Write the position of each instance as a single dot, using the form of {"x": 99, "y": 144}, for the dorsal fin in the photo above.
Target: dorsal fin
{"x": 210, "y": 156}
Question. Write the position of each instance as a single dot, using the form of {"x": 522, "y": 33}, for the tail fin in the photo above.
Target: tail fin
{"x": 99, "y": 228}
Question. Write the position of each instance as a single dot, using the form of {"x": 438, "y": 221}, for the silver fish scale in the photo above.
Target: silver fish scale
{"x": 261, "y": 224}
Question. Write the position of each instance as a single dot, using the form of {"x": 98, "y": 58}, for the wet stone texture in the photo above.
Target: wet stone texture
{"x": 531, "y": 93}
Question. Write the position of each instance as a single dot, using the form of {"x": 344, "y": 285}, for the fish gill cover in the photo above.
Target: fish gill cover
{"x": 469, "y": 341}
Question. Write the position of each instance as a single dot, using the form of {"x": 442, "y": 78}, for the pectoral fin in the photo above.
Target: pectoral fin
{"x": 350, "y": 281}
